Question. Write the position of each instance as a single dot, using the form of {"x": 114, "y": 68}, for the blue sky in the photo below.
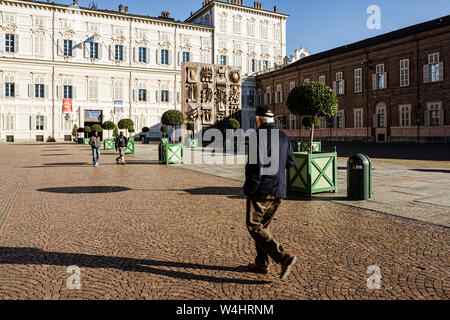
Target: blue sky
{"x": 318, "y": 25}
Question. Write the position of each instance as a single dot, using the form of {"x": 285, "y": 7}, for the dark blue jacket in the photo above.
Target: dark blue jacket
{"x": 256, "y": 182}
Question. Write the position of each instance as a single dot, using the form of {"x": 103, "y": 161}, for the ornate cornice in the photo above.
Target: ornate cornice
{"x": 9, "y": 27}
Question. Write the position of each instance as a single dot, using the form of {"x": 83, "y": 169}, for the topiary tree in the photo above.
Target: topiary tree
{"x": 116, "y": 132}
{"x": 108, "y": 126}
{"x": 145, "y": 130}
{"x": 74, "y": 131}
{"x": 164, "y": 129}
{"x": 313, "y": 100}
{"x": 126, "y": 124}
{"x": 80, "y": 130}
{"x": 96, "y": 127}
{"x": 87, "y": 129}
{"x": 190, "y": 126}
{"x": 131, "y": 130}
{"x": 233, "y": 124}
{"x": 172, "y": 118}
{"x": 307, "y": 122}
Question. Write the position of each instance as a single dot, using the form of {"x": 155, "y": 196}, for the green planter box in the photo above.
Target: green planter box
{"x": 86, "y": 141}
{"x": 193, "y": 143}
{"x": 165, "y": 140}
{"x": 130, "y": 146}
{"x": 303, "y": 146}
{"x": 313, "y": 173}
{"x": 109, "y": 144}
{"x": 80, "y": 140}
{"x": 172, "y": 153}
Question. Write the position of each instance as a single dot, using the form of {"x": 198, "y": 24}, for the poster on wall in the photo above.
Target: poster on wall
{"x": 93, "y": 116}
{"x": 67, "y": 106}
{"x": 118, "y": 106}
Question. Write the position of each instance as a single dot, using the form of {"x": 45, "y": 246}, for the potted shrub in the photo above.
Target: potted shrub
{"x": 115, "y": 131}
{"x": 128, "y": 124}
{"x": 172, "y": 152}
{"x": 232, "y": 124}
{"x": 75, "y": 133}
{"x": 145, "y": 130}
{"x": 96, "y": 127}
{"x": 193, "y": 143}
{"x": 164, "y": 130}
{"x": 304, "y": 146}
{"x": 109, "y": 143}
{"x": 87, "y": 130}
{"x": 313, "y": 172}
{"x": 80, "y": 139}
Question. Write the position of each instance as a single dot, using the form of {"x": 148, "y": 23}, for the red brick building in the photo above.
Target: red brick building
{"x": 391, "y": 88}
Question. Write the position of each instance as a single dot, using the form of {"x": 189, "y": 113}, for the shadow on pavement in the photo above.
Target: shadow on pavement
{"x": 85, "y": 190}
{"x": 29, "y": 256}
{"x": 234, "y": 192}
{"x": 55, "y": 155}
{"x": 431, "y": 170}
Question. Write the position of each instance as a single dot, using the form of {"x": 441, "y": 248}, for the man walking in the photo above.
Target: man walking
{"x": 96, "y": 142}
{"x": 265, "y": 187}
{"x": 121, "y": 146}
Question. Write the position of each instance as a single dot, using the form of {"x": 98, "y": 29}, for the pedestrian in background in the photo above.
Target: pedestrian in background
{"x": 95, "y": 142}
{"x": 265, "y": 192}
{"x": 121, "y": 146}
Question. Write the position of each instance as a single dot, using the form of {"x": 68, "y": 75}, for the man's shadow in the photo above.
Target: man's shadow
{"x": 27, "y": 256}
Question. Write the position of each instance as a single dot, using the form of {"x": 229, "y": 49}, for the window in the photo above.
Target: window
{"x": 165, "y": 56}
{"x": 164, "y": 95}
{"x": 258, "y": 97}
{"x": 265, "y": 64}
{"x": 93, "y": 89}
{"x": 291, "y": 86}
{"x": 404, "y": 73}
{"x": 223, "y": 60}
{"x": 10, "y": 42}
{"x": 264, "y": 30}
{"x": 205, "y": 58}
{"x": 118, "y": 90}
{"x": 68, "y": 48}
{"x": 237, "y": 26}
{"x": 277, "y": 33}
{"x": 251, "y": 98}
{"x": 340, "y": 120}
{"x": 339, "y": 84}
{"x": 68, "y": 91}
{"x": 281, "y": 122}
{"x": 435, "y": 115}
{"x": 405, "y": 116}
{"x": 186, "y": 56}
{"x": 93, "y": 28}
{"x": 251, "y": 29}
{"x": 39, "y": 91}
{"x": 10, "y": 18}
{"x": 223, "y": 24}
{"x": 10, "y": 89}
{"x": 39, "y": 123}
{"x": 279, "y": 94}
{"x": 268, "y": 96}
{"x": 433, "y": 61}
{"x": 306, "y": 80}
{"x": 238, "y": 61}
{"x": 39, "y": 44}
{"x": 223, "y": 43}
{"x": 380, "y": 118}
{"x": 67, "y": 24}
{"x": 118, "y": 52}
{"x": 10, "y": 122}
{"x": 142, "y": 95}
{"x": 93, "y": 52}
{"x": 358, "y": 80}
{"x": 323, "y": 122}
{"x": 142, "y": 34}
{"x": 38, "y": 21}
{"x": 142, "y": 55}
{"x": 380, "y": 78}
{"x": 322, "y": 79}
{"x": 358, "y": 118}
{"x": 253, "y": 65}
{"x": 294, "y": 122}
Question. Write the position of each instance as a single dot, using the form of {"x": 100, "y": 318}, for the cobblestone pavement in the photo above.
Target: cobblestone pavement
{"x": 148, "y": 231}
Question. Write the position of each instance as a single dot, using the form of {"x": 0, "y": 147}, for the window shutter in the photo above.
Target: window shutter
{"x": 170, "y": 96}
{"x": 335, "y": 122}
{"x": 441, "y": 71}
{"x": 179, "y": 58}
{"x": 385, "y": 80}
{"x": 59, "y": 49}
{"x": 31, "y": 91}
{"x": 158, "y": 56}
{"x": 148, "y": 55}
{"x": 2, "y": 89}
{"x": 343, "y": 122}
{"x": 170, "y": 53}
{"x": 375, "y": 121}
{"x": 74, "y": 92}
{"x": 441, "y": 118}
{"x": 157, "y": 96}
{"x": 100, "y": 51}
{"x": 342, "y": 88}
{"x": 58, "y": 92}
{"x": 427, "y": 118}
{"x": 16, "y": 43}
{"x": 426, "y": 73}
{"x": 111, "y": 56}
{"x": 335, "y": 87}
{"x": 134, "y": 54}
{"x": 135, "y": 95}
{"x": 374, "y": 82}
{"x": 32, "y": 123}
{"x": 45, "y": 123}
{"x": 46, "y": 93}
{"x": 86, "y": 50}
{"x": 2, "y": 41}
{"x": 125, "y": 53}
{"x": 17, "y": 90}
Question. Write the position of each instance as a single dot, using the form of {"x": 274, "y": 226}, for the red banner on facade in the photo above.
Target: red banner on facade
{"x": 67, "y": 105}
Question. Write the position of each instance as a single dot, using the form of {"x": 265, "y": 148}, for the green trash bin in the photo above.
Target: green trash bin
{"x": 359, "y": 177}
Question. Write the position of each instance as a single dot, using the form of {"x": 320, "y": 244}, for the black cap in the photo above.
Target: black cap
{"x": 264, "y": 112}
